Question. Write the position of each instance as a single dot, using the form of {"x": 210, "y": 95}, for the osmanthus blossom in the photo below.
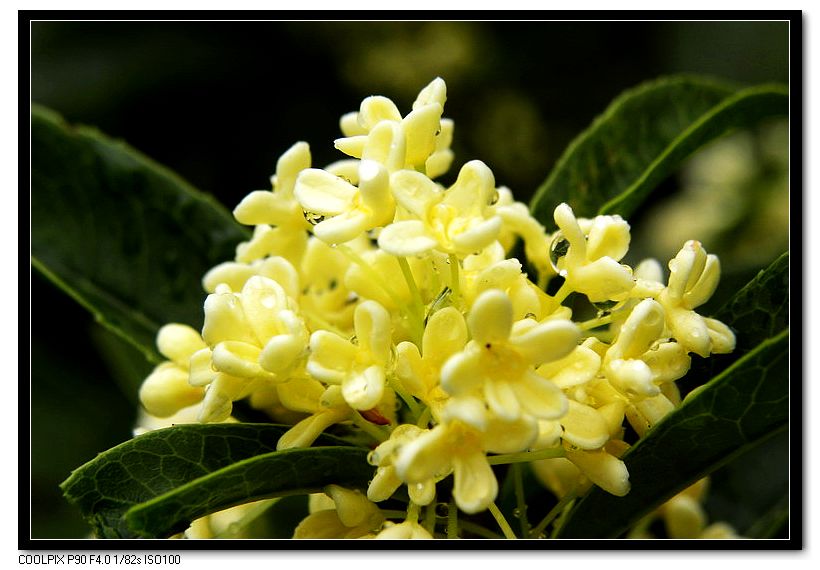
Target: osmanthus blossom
{"x": 499, "y": 361}
{"x": 280, "y": 224}
{"x": 693, "y": 278}
{"x": 346, "y": 211}
{"x": 422, "y": 138}
{"x": 456, "y": 221}
{"x": 357, "y": 365}
{"x": 588, "y": 252}
{"x": 373, "y": 301}
{"x": 459, "y": 445}
{"x": 254, "y": 337}
{"x": 340, "y": 513}
{"x": 166, "y": 390}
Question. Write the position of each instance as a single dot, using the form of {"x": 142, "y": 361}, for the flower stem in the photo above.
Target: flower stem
{"x": 417, "y": 305}
{"x": 455, "y": 286}
{"x": 520, "y": 498}
{"x": 526, "y": 456}
{"x": 554, "y": 512}
{"x": 452, "y": 519}
{"x": 595, "y": 323}
{"x": 502, "y": 522}
{"x": 372, "y": 430}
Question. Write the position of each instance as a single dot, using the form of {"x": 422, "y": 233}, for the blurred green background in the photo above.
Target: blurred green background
{"x": 218, "y": 102}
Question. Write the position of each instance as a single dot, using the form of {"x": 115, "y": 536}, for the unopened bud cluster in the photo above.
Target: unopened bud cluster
{"x": 372, "y": 296}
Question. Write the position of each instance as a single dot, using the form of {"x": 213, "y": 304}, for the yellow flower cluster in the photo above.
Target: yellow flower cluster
{"x": 371, "y": 295}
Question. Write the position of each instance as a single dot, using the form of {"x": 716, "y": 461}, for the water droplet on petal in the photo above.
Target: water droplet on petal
{"x": 558, "y": 250}
{"x": 312, "y": 217}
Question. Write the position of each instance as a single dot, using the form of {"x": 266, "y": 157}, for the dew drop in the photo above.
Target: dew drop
{"x": 517, "y": 513}
{"x": 494, "y": 198}
{"x": 313, "y": 218}
{"x": 558, "y": 249}
{"x": 442, "y": 510}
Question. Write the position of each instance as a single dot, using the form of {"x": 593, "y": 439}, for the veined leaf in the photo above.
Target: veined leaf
{"x": 760, "y": 310}
{"x": 122, "y": 235}
{"x": 642, "y": 137}
{"x": 172, "y": 459}
{"x": 289, "y": 472}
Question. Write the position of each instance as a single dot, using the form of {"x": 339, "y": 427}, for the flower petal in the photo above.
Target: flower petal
{"x": 288, "y": 167}
{"x": 475, "y": 485}
{"x": 225, "y": 319}
{"x": 373, "y": 330}
{"x": 490, "y": 318}
{"x": 364, "y": 390}
{"x": 539, "y": 397}
{"x": 178, "y": 342}
{"x": 323, "y": 193}
{"x": 584, "y": 427}
{"x": 375, "y": 109}
{"x": 478, "y": 236}
{"x": 343, "y": 228}
{"x": 414, "y": 191}
{"x": 263, "y": 207}
{"x": 426, "y": 457}
{"x": 547, "y": 341}
{"x": 406, "y": 238}
{"x": 444, "y": 335}
{"x": 166, "y": 391}
{"x": 603, "y": 469}
{"x": 331, "y": 357}
{"x": 502, "y": 399}
{"x": 462, "y": 372}
{"x": 420, "y": 127}
{"x": 237, "y": 359}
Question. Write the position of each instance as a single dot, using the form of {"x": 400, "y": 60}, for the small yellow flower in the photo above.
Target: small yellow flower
{"x": 166, "y": 390}
{"x": 457, "y": 221}
{"x": 694, "y": 275}
{"x": 499, "y": 361}
{"x": 379, "y": 132}
{"x": 278, "y": 208}
{"x": 353, "y": 517}
{"x": 254, "y": 337}
{"x": 358, "y": 365}
{"x": 419, "y": 372}
{"x": 587, "y": 257}
{"x": 346, "y": 211}
{"x": 387, "y": 480}
{"x": 459, "y": 444}
{"x": 326, "y": 407}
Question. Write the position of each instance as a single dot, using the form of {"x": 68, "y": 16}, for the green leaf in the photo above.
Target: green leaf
{"x": 207, "y": 467}
{"x": 641, "y": 139}
{"x": 751, "y": 492}
{"x": 290, "y": 472}
{"x": 760, "y": 310}
{"x": 743, "y": 406}
{"x": 125, "y": 237}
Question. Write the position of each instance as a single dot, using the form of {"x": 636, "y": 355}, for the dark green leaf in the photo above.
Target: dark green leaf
{"x": 125, "y": 237}
{"x": 760, "y": 310}
{"x": 751, "y": 492}
{"x": 744, "y": 405}
{"x": 294, "y": 471}
{"x": 164, "y": 461}
{"x": 642, "y": 138}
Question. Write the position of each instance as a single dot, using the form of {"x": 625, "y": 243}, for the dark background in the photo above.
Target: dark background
{"x": 218, "y": 102}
